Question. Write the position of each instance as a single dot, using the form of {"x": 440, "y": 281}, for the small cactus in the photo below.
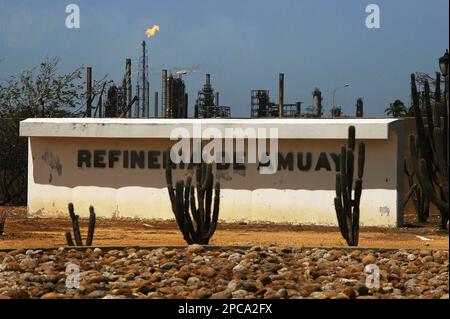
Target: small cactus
{"x": 76, "y": 228}
{"x": 347, "y": 209}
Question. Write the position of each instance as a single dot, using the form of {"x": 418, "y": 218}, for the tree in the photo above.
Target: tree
{"x": 37, "y": 92}
{"x": 396, "y": 109}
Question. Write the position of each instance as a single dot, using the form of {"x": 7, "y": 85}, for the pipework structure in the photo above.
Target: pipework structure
{"x": 261, "y": 106}
{"x": 207, "y": 103}
{"x": 142, "y": 109}
{"x": 174, "y": 97}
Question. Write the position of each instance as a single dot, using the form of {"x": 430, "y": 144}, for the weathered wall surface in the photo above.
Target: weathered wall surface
{"x": 301, "y": 194}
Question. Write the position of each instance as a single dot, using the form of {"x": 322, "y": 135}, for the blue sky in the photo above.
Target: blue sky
{"x": 244, "y": 44}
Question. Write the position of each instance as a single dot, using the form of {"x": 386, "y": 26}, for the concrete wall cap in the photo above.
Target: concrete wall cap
{"x": 366, "y": 128}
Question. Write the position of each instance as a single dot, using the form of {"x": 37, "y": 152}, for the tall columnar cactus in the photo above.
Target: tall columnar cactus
{"x": 76, "y": 228}
{"x": 429, "y": 148}
{"x": 347, "y": 208}
{"x": 199, "y": 228}
{"x": 416, "y": 194}
{"x": 2, "y": 222}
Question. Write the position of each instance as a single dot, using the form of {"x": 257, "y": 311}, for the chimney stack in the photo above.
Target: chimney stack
{"x": 156, "y": 105}
{"x": 217, "y": 99}
{"x": 164, "y": 96}
{"x": 281, "y": 95}
{"x": 89, "y": 92}
{"x": 208, "y": 80}
{"x": 128, "y": 92}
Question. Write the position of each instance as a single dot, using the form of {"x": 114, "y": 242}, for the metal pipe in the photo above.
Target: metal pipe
{"x": 186, "y": 105}
{"x": 144, "y": 81}
{"x": 164, "y": 96}
{"x": 281, "y": 95}
{"x": 89, "y": 92}
{"x": 156, "y": 105}
{"x": 170, "y": 111}
{"x": 147, "y": 100}
{"x": 128, "y": 92}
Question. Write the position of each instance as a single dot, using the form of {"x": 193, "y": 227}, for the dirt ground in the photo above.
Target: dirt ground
{"x": 23, "y": 232}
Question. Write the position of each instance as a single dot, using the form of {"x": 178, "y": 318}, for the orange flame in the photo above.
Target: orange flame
{"x": 151, "y": 32}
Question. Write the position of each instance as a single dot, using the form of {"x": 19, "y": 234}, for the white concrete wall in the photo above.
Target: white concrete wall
{"x": 300, "y": 197}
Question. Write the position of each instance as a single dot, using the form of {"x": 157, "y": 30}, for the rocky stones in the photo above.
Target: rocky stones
{"x": 169, "y": 265}
{"x": 235, "y": 258}
{"x": 368, "y": 259}
{"x": 282, "y": 293}
{"x": 362, "y": 290}
{"x": 195, "y": 272}
{"x": 249, "y": 287}
{"x": 195, "y": 249}
{"x": 239, "y": 294}
{"x": 206, "y": 271}
{"x": 225, "y": 294}
{"x": 203, "y": 293}
{"x": 350, "y": 293}
{"x": 193, "y": 281}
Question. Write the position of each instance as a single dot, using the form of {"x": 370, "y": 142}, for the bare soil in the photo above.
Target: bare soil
{"x": 24, "y": 232}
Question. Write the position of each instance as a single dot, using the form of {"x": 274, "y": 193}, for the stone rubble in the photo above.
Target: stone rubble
{"x": 196, "y": 272}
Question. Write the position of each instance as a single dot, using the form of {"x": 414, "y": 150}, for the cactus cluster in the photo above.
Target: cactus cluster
{"x": 416, "y": 194}
{"x": 76, "y": 228}
{"x": 196, "y": 219}
{"x": 429, "y": 147}
{"x": 347, "y": 208}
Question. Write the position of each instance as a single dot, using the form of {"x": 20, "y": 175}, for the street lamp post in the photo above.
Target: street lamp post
{"x": 336, "y": 89}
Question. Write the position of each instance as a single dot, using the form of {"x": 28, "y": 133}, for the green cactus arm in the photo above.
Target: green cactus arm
{"x": 350, "y": 170}
{"x": 91, "y": 227}
{"x": 341, "y": 217}
{"x": 69, "y": 239}
{"x": 194, "y": 209}
{"x": 355, "y": 227}
{"x": 338, "y": 186}
{"x": 427, "y": 186}
{"x": 208, "y": 197}
{"x": 429, "y": 113}
{"x": 215, "y": 215}
{"x": 169, "y": 182}
{"x": 358, "y": 192}
{"x": 75, "y": 225}
{"x": 412, "y": 190}
{"x": 179, "y": 212}
{"x": 361, "y": 159}
{"x": 441, "y": 157}
{"x": 351, "y": 137}
{"x": 423, "y": 146}
{"x": 187, "y": 216}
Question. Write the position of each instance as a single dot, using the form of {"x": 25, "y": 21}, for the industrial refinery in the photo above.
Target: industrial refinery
{"x": 172, "y": 101}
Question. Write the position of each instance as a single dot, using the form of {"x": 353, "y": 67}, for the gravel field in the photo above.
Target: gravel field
{"x": 193, "y": 272}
